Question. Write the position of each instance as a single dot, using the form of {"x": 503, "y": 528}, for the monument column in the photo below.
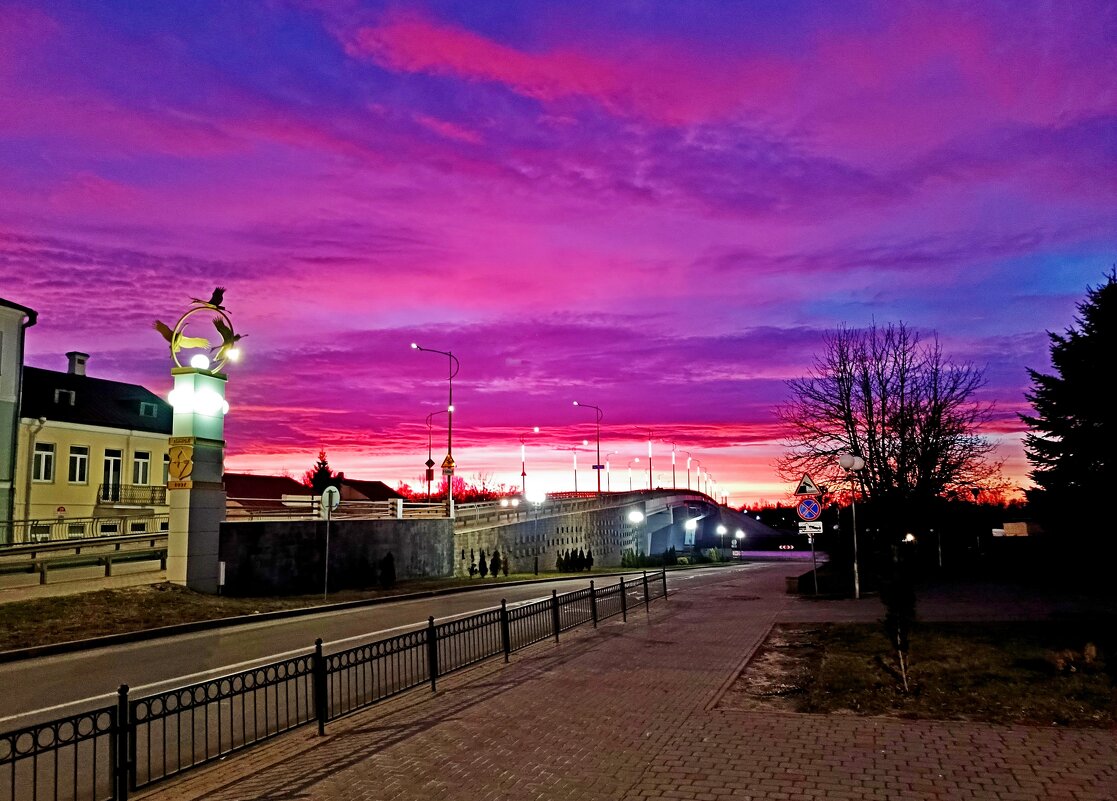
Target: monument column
{"x": 196, "y": 449}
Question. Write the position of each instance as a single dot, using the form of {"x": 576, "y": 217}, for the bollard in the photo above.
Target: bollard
{"x": 663, "y": 573}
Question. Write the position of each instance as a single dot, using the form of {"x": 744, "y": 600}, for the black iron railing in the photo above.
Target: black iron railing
{"x": 104, "y": 754}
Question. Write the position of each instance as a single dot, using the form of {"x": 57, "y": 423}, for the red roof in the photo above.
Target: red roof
{"x": 246, "y": 485}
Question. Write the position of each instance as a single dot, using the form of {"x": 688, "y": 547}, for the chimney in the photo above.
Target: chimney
{"x": 77, "y": 362}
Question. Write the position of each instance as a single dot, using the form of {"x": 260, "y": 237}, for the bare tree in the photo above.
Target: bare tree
{"x": 884, "y": 394}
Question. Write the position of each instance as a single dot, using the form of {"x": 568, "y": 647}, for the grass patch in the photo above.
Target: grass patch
{"x": 992, "y": 672}
{"x": 46, "y": 621}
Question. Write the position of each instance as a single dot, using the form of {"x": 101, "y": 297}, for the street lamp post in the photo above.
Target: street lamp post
{"x": 689, "y": 459}
{"x": 430, "y": 459}
{"x": 649, "y": 459}
{"x": 673, "y": 446}
{"x": 722, "y": 530}
{"x": 453, "y": 365}
{"x": 853, "y": 464}
{"x": 608, "y": 472}
{"x": 523, "y": 458}
{"x": 630, "y": 463}
{"x": 597, "y": 465}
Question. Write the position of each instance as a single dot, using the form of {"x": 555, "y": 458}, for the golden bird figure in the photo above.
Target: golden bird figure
{"x": 180, "y": 341}
{"x": 228, "y": 339}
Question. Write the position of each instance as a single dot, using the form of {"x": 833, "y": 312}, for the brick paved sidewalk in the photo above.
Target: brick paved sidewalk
{"x": 629, "y": 712}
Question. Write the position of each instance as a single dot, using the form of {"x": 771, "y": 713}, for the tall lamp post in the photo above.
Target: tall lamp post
{"x": 430, "y": 458}
{"x": 448, "y": 464}
{"x": 673, "y": 447}
{"x": 523, "y": 457}
{"x": 630, "y": 463}
{"x": 649, "y": 459}
{"x": 689, "y": 459}
{"x": 853, "y": 464}
{"x": 598, "y": 467}
{"x": 608, "y": 472}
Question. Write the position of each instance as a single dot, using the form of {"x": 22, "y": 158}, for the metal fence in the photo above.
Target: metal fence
{"x": 104, "y": 754}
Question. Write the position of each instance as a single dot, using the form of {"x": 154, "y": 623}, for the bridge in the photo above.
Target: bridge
{"x": 276, "y": 547}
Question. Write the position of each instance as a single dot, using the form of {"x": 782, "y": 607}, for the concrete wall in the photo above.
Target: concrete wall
{"x": 286, "y": 557}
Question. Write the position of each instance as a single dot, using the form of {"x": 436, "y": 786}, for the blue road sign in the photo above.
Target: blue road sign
{"x": 809, "y": 509}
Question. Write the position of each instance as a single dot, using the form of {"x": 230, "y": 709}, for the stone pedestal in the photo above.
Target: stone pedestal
{"x": 197, "y": 492}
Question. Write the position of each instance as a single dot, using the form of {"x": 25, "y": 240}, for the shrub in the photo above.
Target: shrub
{"x": 494, "y": 564}
{"x": 483, "y": 565}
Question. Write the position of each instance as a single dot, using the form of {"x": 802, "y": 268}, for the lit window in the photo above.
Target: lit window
{"x": 148, "y": 409}
{"x": 43, "y": 466}
{"x": 64, "y": 396}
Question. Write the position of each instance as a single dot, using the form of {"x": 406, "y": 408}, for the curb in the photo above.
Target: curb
{"x": 73, "y": 646}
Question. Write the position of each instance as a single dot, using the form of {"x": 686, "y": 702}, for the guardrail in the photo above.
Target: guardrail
{"x": 104, "y": 754}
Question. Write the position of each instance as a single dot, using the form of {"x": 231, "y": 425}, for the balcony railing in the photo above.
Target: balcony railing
{"x": 132, "y": 495}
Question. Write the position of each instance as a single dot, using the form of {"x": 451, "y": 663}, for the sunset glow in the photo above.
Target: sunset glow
{"x": 655, "y": 208}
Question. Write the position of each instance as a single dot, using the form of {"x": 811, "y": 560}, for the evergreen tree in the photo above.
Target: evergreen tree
{"x": 581, "y": 559}
{"x": 589, "y": 559}
{"x": 1072, "y": 445}
{"x": 320, "y": 476}
{"x": 494, "y": 564}
{"x": 483, "y": 565}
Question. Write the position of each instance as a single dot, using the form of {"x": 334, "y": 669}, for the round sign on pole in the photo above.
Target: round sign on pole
{"x": 331, "y": 497}
{"x": 809, "y": 509}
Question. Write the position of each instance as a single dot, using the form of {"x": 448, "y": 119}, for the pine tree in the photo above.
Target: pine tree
{"x": 483, "y": 564}
{"x": 320, "y": 476}
{"x": 1072, "y": 445}
{"x": 494, "y": 564}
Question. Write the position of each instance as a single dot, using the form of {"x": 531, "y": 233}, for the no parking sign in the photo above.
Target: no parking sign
{"x": 808, "y": 509}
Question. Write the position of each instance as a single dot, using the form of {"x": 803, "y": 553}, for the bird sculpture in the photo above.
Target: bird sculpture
{"x": 215, "y": 299}
{"x": 179, "y": 341}
{"x": 228, "y": 339}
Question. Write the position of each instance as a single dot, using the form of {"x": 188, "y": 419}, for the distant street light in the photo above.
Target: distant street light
{"x": 453, "y": 364}
{"x": 722, "y": 530}
{"x": 523, "y": 458}
{"x": 853, "y": 464}
{"x": 689, "y": 459}
{"x": 673, "y": 447}
{"x": 608, "y": 472}
{"x": 649, "y": 459}
{"x": 630, "y": 463}
{"x": 597, "y": 465}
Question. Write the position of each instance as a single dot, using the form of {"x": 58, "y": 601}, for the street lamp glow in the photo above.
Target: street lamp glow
{"x": 199, "y": 361}
{"x": 691, "y": 525}
{"x": 635, "y": 516}
{"x": 721, "y": 530}
{"x": 535, "y": 496}
{"x": 597, "y": 466}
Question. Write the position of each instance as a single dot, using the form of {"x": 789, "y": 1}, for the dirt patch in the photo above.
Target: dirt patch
{"x": 779, "y": 673}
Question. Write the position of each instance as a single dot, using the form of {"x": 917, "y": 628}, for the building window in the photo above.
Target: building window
{"x": 40, "y": 533}
{"x": 79, "y": 464}
{"x": 65, "y": 396}
{"x": 148, "y": 409}
{"x": 111, "y": 477}
{"x": 75, "y": 530}
{"x": 43, "y": 466}
{"x": 137, "y": 528}
{"x": 141, "y": 468}
{"x": 166, "y": 468}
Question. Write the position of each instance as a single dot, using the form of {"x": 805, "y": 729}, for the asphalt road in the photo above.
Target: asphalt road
{"x": 50, "y": 687}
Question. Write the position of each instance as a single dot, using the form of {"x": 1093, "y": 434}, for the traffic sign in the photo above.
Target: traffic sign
{"x": 448, "y": 462}
{"x": 808, "y": 509}
{"x": 807, "y": 487}
{"x": 599, "y": 467}
{"x": 810, "y": 528}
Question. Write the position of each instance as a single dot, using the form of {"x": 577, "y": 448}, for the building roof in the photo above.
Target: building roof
{"x": 369, "y": 490}
{"x": 31, "y": 313}
{"x": 82, "y": 399}
{"x": 246, "y": 485}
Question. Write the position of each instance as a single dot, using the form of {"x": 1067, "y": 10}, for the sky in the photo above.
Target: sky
{"x": 658, "y": 208}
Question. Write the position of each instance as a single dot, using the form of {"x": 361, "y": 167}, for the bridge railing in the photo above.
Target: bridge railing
{"x": 104, "y": 754}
